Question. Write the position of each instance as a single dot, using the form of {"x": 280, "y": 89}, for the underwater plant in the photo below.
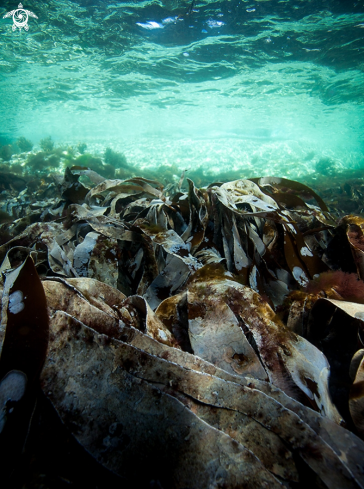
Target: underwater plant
{"x": 347, "y": 285}
{"x": 95, "y": 164}
{"x": 24, "y": 144}
{"x": 71, "y": 151}
{"x": 356, "y": 237}
{"x": 37, "y": 161}
{"x": 169, "y": 287}
{"x": 88, "y": 159}
{"x": 117, "y": 160}
{"x": 6, "y": 152}
{"x": 40, "y": 161}
{"x": 82, "y": 147}
{"x": 325, "y": 166}
{"x": 47, "y": 144}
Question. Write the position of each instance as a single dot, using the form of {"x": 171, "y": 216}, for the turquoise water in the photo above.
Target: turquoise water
{"x": 265, "y": 87}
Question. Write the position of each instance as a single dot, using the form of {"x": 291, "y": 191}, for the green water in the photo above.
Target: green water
{"x": 261, "y": 87}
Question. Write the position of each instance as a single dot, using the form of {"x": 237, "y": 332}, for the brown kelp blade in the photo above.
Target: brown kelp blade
{"x": 25, "y": 320}
{"x": 356, "y": 399}
{"x": 126, "y": 423}
{"x": 24, "y": 349}
{"x": 215, "y": 333}
{"x": 139, "y": 418}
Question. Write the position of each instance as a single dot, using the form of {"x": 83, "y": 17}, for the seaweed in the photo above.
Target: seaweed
{"x": 24, "y": 144}
{"x": 82, "y": 147}
{"x": 6, "y": 152}
{"x": 191, "y": 325}
{"x": 47, "y": 144}
{"x": 94, "y": 163}
{"x": 23, "y": 353}
{"x": 116, "y": 159}
{"x": 11, "y": 181}
{"x": 325, "y": 166}
{"x": 42, "y": 161}
{"x": 347, "y": 285}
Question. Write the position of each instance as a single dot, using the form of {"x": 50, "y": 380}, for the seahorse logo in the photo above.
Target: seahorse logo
{"x": 20, "y": 17}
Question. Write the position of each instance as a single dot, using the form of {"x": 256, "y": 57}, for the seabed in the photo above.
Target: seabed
{"x": 160, "y": 329}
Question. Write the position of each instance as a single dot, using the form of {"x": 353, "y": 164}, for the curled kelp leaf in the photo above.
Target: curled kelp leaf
{"x": 105, "y": 309}
{"x": 15, "y": 257}
{"x": 169, "y": 282}
{"x": 73, "y": 190}
{"x": 95, "y": 196}
{"x": 297, "y": 187}
{"x": 194, "y": 232}
{"x": 91, "y": 174}
{"x": 291, "y": 362}
{"x": 30, "y": 236}
{"x": 145, "y": 319}
{"x": 216, "y": 335}
{"x": 336, "y": 327}
{"x": 60, "y": 250}
{"x": 64, "y": 296}
{"x": 356, "y": 399}
{"x": 99, "y": 294}
{"x": 247, "y": 193}
{"x": 97, "y": 257}
{"x": 173, "y": 313}
{"x": 171, "y": 244}
{"x": 354, "y": 232}
{"x": 207, "y": 256}
{"x": 231, "y": 201}
{"x": 304, "y": 264}
{"x": 140, "y": 422}
{"x": 131, "y": 186}
{"x": 93, "y": 216}
{"x": 83, "y": 252}
{"x": 152, "y": 187}
{"x": 128, "y": 206}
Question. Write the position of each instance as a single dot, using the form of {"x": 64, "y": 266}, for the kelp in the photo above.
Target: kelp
{"x": 212, "y": 336}
{"x": 356, "y": 398}
{"x": 24, "y": 341}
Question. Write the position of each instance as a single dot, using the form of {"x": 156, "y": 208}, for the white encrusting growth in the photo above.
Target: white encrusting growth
{"x": 300, "y": 275}
{"x": 162, "y": 335}
{"x": 16, "y": 303}
{"x": 305, "y": 251}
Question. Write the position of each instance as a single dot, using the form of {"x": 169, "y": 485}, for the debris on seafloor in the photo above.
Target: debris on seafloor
{"x": 211, "y": 338}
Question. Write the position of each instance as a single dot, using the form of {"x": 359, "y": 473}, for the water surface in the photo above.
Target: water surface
{"x": 265, "y": 87}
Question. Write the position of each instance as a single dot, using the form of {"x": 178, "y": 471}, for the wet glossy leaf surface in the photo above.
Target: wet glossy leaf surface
{"x": 24, "y": 342}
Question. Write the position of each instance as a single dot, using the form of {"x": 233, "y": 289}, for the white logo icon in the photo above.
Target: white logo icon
{"x": 20, "y": 17}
